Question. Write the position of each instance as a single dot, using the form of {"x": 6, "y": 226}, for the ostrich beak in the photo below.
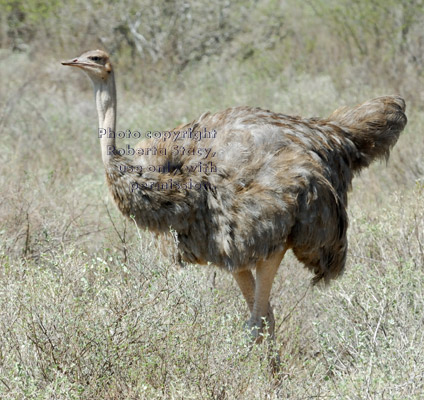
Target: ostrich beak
{"x": 70, "y": 62}
{"x": 75, "y": 62}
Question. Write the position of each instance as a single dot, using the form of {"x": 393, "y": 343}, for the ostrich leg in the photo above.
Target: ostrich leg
{"x": 246, "y": 283}
{"x": 257, "y": 294}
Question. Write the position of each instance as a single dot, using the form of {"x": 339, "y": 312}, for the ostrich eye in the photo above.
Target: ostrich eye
{"x": 95, "y": 58}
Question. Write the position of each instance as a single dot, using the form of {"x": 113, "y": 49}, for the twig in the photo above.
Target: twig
{"x": 291, "y": 311}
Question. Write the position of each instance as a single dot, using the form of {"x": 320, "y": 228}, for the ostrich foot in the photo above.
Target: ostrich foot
{"x": 260, "y": 327}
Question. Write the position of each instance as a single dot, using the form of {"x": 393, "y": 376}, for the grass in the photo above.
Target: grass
{"x": 90, "y": 309}
{"x": 86, "y": 325}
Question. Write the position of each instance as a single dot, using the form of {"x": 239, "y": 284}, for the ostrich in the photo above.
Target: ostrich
{"x": 242, "y": 186}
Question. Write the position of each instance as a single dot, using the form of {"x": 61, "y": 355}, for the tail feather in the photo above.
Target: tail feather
{"x": 373, "y": 127}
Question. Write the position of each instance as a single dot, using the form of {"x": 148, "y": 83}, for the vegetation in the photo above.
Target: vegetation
{"x": 90, "y": 309}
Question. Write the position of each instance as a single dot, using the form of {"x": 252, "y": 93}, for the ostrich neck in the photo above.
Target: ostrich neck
{"x": 105, "y": 96}
{"x": 157, "y": 207}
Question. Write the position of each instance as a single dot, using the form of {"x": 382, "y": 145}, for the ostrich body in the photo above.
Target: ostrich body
{"x": 256, "y": 184}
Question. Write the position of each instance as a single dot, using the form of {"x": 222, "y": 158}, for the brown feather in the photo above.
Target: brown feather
{"x": 280, "y": 181}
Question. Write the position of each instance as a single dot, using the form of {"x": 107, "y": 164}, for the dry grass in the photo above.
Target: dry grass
{"x": 89, "y": 309}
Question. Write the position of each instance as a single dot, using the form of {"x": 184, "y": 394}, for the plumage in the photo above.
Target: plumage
{"x": 273, "y": 181}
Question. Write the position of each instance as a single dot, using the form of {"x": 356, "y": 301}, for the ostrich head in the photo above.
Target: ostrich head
{"x": 94, "y": 63}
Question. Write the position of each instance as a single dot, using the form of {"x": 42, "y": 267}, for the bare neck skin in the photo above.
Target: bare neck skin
{"x": 105, "y": 97}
